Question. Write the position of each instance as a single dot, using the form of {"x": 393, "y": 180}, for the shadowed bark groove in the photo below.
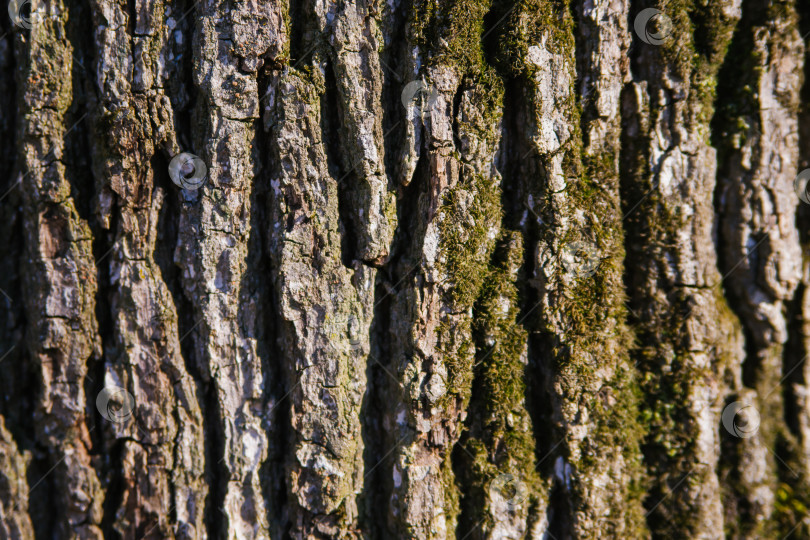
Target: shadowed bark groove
{"x": 792, "y": 496}
{"x": 472, "y": 269}
{"x": 15, "y": 521}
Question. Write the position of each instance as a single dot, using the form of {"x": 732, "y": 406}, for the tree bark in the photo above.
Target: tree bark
{"x": 423, "y": 269}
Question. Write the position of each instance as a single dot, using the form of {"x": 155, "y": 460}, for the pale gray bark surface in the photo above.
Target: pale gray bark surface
{"x": 459, "y": 269}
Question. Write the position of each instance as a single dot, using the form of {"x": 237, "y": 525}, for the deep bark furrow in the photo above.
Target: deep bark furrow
{"x": 15, "y": 522}
{"x": 12, "y": 352}
{"x": 797, "y": 370}
{"x": 467, "y": 269}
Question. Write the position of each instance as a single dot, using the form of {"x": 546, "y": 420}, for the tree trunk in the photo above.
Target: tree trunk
{"x": 423, "y": 269}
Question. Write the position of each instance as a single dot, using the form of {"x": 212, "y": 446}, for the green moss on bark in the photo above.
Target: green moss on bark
{"x": 499, "y": 439}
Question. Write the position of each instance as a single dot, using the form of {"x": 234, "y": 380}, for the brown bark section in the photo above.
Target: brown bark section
{"x": 459, "y": 268}
{"x": 159, "y": 447}
{"x": 59, "y": 276}
{"x": 15, "y": 523}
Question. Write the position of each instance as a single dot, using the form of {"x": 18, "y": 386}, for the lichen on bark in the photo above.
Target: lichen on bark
{"x": 459, "y": 268}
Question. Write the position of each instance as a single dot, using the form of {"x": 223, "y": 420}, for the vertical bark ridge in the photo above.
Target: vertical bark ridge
{"x": 540, "y": 33}
{"x": 354, "y": 36}
{"x": 452, "y": 231}
{"x": 569, "y": 204}
{"x": 325, "y": 311}
{"x": 396, "y": 59}
{"x": 15, "y": 523}
{"x": 160, "y": 443}
{"x": 403, "y": 56}
{"x": 689, "y": 341}
{"x": 59, "y": 277}
{"x": 760, "y": 252}
{"x": 603, "y": 71}
{"x": 232, "y": 45}
{"x": 432, "y": 349}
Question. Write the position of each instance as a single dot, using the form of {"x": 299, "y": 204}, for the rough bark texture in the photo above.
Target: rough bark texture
{"x": 473, "y": 269}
